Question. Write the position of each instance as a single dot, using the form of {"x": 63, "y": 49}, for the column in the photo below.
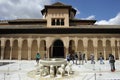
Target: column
{"x": 85, "y": 51}
{"x": 85, "y": 44}
{"x": 19, "y": 48}
{"x": 95, "y": 44}
{"x": 113, "y": 51}
{"x": 38, "y": 42}
{"x": 76, "y": 44}
{"x": 104, "y": 52}
{"x": 48, "y": 44}
{"x": 29, "y": 48}
{"x": 118, "y": 46}
{"x": 104, "y": 48}
{"x": 66, "y": 52}
{"x": 11, "y": 46}
{"x": 66, "y": 45}
{"x": 2, "y": 48}
{"x": 113, "y": 46}
{"x": 95, "y": 53}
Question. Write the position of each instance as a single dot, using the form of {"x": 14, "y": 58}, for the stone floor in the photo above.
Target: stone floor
{"x": 22, "y": 70}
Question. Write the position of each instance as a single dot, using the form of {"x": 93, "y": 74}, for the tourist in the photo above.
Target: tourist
{"x": 83, "y": 58}
{"x": 101, "y": 58}
{"x": 76, "y": 57}
{"x": 112, "y": 62}
{"x": 37, "y": 58}
{"x": 68, "y": 57}
{"x": 72, "y": 57}
{"x": 92, "y": 59}
{"x": 80, "y": 57}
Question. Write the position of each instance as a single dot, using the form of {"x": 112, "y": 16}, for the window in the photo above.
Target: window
{"x": 53, "y": 21}
{"x": 62, "y": 21}
{"x": 57, "y": 21}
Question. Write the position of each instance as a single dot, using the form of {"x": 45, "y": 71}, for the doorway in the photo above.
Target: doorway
{"x": 58, "y": 49}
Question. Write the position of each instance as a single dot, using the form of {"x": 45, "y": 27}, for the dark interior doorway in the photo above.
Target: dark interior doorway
{"x": 58, "y": 49}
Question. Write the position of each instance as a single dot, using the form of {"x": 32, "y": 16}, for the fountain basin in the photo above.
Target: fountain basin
{"x": 53, "y": 61}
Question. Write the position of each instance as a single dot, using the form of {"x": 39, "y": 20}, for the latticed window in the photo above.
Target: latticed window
{"x": 53, "y": 21}
{"x": 62, "y": 21}
{"x": 57, "y": 22}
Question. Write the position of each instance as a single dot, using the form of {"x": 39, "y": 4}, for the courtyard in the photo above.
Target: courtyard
{"x": 22, "y": 70}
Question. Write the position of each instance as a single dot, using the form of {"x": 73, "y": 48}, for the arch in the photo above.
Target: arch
{"x": 24, "y": 53}
{"x": 57, "y": 49}
{"x": 15, "y": 50}
{"x": 42, "y": 48}
{"x": 90, "y": 48}
{"x": 34, "y": 49}
{"x": 100, "y": 48}
{"x": 108, "y": 48}
{"x": 71, "y": 46}
{"x": 116, "y": 50}
{"x": 80, "y": 47}
{"x": 7, "y": 50}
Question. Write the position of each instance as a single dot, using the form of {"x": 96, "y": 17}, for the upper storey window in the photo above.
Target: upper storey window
{"x": 57, "y": 22}
{"x": 53, "y": 21}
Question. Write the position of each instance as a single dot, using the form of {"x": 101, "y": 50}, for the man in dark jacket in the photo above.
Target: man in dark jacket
{"x": 112, "y": 63}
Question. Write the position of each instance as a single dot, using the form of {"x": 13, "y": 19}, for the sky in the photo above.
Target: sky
{"x": 106, "y": 12}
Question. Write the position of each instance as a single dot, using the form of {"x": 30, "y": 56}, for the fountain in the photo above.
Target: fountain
{"x": 52, "y": 67}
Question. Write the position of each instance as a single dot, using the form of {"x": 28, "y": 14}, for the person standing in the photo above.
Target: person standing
{"x": 112, "y": 63}
{"x": 92, "y": 59}
{"x": 80, "y": 57}
{"x": 83, "y": 58}
{"x": 68, "y": 57}
{"x": 101, "y": 58}
{"x": 76, "y": 57}
{"x": 72, "y": 57}
{"x": 37, "y": 58}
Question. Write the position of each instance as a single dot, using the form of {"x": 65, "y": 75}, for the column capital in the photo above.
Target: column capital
{"x": 95, "y": 42}
{"x": 20, "y": 42}
{"x": 118, "y": 43}
{"x": 11, "y": 42}
{"x": 112, "y": 42}
{"x": 29, "y": 42}
{"x": 66, "y": 42}
{"x": 3, "y": 40}
{"x": 104, "y": 42}
{"x": 85, "y": 42}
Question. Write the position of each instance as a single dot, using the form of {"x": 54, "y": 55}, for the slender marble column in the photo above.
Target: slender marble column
{"x": 76, "y": 44}
{"x": 113, "y": 51}
{"x": 2, "y": 47}
{"x": 29, "y": 48}
{"x": 95, "y": 52}
{"x": 104, "y": 48}
{"x": 38, "y": 42}
{"x": 118, "y": 46}
{"x": 113, "y": 46}
{"x": 11, "y": 46}
{"x": 104, "y": 52}
{"x": 19, "y": 48}
{"x": 95, "y": 44}
{"x": 2, "y": 52}
{"x": 85, "y": 44}
{"x": 86, "y": 53}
